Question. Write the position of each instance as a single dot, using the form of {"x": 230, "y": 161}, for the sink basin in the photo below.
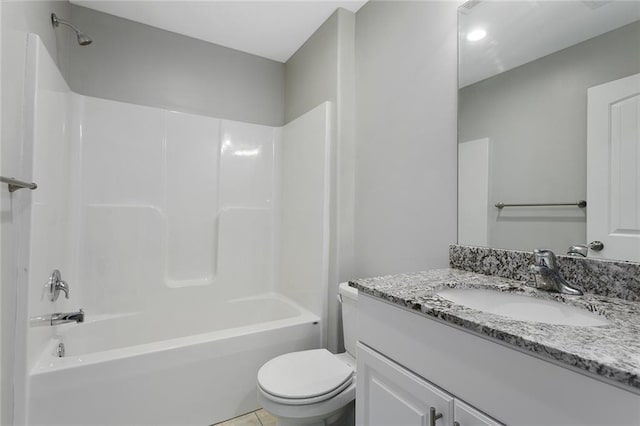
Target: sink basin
{"x": 522, "y": 308}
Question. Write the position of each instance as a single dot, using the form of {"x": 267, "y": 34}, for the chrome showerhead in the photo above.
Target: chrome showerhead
{"x": 83, "y": 39}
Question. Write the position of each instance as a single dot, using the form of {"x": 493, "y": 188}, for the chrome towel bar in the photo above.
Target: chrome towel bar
{"x": 15, "y": 184}
{"x": 581, "y": 204}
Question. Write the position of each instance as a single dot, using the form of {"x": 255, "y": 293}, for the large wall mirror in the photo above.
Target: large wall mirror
{"x": 549, "y": 126}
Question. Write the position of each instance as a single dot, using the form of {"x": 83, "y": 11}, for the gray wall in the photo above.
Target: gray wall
{"x": 405, "y": 204}
{"x": 311, "y": 73}
{"x": 136, "y": 63}
{"x": 18, "y": 18}
{"x": 323, "y": 70}
{"x": 536, "y": 118}
{"x": 34, "y": 17}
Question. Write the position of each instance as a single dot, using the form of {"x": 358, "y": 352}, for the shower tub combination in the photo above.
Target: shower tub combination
{"x": 188, "y": 289}
{"x": 166, "y": 368}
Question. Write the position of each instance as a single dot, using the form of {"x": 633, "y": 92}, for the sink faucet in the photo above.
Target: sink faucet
{"x": 57, "y": 318}
{"x": 546, "y": 274}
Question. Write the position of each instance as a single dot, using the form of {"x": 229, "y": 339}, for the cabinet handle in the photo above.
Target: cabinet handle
{"x": 433, "y": 416}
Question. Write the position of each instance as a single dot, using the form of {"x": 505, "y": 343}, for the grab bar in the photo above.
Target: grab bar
{"x": 15, "y": 184}
{"x": 581, "y": 204}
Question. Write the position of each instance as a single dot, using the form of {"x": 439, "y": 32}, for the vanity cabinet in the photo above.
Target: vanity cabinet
{"x": 389, "y": 394}
{"x": 408, "y": 363}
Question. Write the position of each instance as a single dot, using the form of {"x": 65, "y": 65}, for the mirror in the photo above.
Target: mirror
{"x": 549, "y": 115}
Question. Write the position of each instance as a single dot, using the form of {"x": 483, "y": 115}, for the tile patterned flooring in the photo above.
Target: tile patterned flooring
{"x": 256, "y": 418}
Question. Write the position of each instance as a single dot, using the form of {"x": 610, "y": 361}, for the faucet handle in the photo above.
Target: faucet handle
{"x": 55, "y": 285}
{"x": 545, "y": 257}
{"x": 578, "y": 250}
{"x": 63, "y": 286}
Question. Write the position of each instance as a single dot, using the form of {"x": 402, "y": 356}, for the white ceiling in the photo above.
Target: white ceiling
{"x": 271, "y": 29}
{"x": 522, "y": 31}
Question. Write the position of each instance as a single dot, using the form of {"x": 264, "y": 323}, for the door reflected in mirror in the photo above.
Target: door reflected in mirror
{"x": 548, "y": 118}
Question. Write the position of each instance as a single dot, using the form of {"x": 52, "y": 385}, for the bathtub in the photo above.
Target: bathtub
{"x": 166, "y": 368}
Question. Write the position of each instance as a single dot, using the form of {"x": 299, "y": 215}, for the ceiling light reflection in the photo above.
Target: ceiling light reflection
{"x": 477, "y": 34}
{"x": 247, "y": 152}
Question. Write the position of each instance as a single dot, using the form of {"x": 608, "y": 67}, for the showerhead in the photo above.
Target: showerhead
{"x": 83, "y": 39}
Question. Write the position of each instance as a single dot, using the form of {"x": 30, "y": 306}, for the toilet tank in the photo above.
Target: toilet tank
{"x": 349, "y": 300}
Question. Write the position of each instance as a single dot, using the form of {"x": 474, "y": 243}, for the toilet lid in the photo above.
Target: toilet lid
{"x": 303, "y": 375}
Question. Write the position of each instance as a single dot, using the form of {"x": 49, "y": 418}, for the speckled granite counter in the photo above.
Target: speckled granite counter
{"x": 611, "y": 351}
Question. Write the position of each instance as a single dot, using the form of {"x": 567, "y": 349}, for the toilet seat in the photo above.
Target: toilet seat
{"x": 306, "y": 377}
{"x": 306, "y": 401}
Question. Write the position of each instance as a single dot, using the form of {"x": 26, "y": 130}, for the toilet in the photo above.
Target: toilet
{"x": 314, "y": 387}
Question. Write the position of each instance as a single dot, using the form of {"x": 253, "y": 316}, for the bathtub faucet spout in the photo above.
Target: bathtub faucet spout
{"x": 57, "y": 318}
{"x": 65, "y": 317}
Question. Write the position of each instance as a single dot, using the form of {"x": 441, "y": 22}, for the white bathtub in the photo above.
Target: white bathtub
{"x": 171, "y": 368}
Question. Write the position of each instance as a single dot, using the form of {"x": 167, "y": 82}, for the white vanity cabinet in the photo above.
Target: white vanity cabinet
{"x": 409, "y": 363}
{"x": 389, "y": 394}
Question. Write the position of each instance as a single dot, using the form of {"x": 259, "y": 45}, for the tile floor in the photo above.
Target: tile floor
{"x": 257, "y": 418}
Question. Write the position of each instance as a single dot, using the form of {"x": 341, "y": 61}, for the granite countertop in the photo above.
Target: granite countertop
{"x": 610, "y": 351}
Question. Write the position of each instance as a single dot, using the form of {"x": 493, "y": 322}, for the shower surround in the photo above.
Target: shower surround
{"x": 197, "y": 246}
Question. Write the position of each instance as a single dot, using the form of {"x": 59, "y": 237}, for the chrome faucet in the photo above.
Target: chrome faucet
{"x": 65, "y": 317}
{"x": 57, "y": 318}
{"x": 546, "y": 275}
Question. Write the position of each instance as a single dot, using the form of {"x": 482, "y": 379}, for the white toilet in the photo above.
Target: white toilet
{"x": 314, "y": 387}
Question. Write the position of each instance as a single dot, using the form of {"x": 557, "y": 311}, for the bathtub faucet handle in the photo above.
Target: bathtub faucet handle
{"x": 55, "y": 285}
{"x": 63, "y": 286}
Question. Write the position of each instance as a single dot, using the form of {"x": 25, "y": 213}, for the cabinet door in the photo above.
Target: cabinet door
{"x": 388, "y": 394}
{"x": 466, "y": 415}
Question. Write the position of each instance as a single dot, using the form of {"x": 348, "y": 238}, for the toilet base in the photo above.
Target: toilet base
{"x": 345, "y": 416}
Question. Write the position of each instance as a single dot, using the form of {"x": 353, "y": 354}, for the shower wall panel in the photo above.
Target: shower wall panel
{"x": 120, "y": 204}
{"x": 303, "y": 225}
{"x": 245, "y": 253}
{"x": 191, "y": 198}
{"x": 145, "y": 209}
{"x": 47, "y": 144}
{"x": 246, "y": 167}
{"x": 171, "y": 200}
